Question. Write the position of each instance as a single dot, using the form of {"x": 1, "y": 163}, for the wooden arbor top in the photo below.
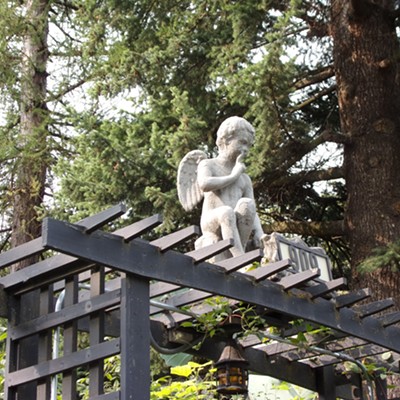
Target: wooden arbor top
{"x": 353, "y": 333}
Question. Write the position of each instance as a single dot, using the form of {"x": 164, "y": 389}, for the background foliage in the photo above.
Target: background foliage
{"x": 131, "y": 86}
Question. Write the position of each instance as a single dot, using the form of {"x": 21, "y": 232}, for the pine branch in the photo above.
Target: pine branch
{"x": 382, "y": 257}
{"x": 296, "y": 150}
{"x": 313, "y": 228}
{"x": 328, "y": 135}
{"x": 316, "y": 77}
{"x": 310, "y": 176}
{"x": 313, "y": 98}
{"x": 58, "y": 96}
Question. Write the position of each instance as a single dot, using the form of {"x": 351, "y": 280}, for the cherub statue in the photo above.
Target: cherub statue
{"x": 229, "y": 210}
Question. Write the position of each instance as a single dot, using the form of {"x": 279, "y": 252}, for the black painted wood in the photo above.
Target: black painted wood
{"x": 96, "y": 332}
{"x": 181, "y": 280}
{"x": 235, "y": 263}
{"x": 324, "y": 288}
{"x": 68, "y": 314}
{"x": 179, "y": 269}
{"x": 269, "y": 270}
{"x": 210, "y": 251}
{"x": 373, "y": 308}
{"x": 65, "y": 363}
{"x": 299, "y": 279}
{"x": 70, "y": 339}
{"x": 135, "y": 340}
{"x": 390, "y": 319}
{"x": 35, "y": 246}
{"x": 169, "y": 241}
{"x": 139, "y": 228}
{"x": 347, "y": 300}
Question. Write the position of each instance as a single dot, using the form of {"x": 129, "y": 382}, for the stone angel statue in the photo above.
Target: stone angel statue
{"x": 229, "y": 210}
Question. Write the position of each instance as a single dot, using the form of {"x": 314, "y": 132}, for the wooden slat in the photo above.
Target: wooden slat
{"x": 169, "y": 241}
{"x": 347, "y": 300}
{"x": 65, "y": 363}
{"x": 268, "y": 270}
{"x": 326, "y": 287}
{"x": 373, "y": 308}
{"x": 25, "y": 250}
{"x": 102, "y": 218}
{"x": 235, "y": 263}
{"x": 34, "y": 246}
{"x": 270, "y": 349}
{"x": 69, "y": 390}
{"x": 43, "y": 389}
{"x": 3, "y": 302}
{"x": 299, "y": 279}
{"x": 160, "y": 288}
{"x": 96, "y": 333}
{"x": 108, "y": 396}
{"x": 139, "y": 228}
{"x": 61, "y": 265}
{"x": 135, "y": 340}
{"x": 68, "y": 314}
{"x": 183, "y": 299}
{"x": 390, "y": 319}
{"x": 207, "y": 252}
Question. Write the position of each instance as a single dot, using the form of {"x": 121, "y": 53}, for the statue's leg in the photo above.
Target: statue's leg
{"x": 223, "y": 220}
{"x": 245, "y": 211}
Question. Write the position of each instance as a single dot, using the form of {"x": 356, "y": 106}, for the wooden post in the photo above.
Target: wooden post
{"x": 135, "y": 339}
{"x": 326, "y": 383}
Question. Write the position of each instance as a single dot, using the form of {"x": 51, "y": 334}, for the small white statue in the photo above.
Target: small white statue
{"x": 229, "y": 210}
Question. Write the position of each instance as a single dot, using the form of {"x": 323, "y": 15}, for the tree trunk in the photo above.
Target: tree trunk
{"x": 32, "y": 165}
{"x": 366, "y": 54}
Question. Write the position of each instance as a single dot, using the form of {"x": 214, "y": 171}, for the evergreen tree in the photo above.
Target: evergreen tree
{"x": 305, "y": 73}
{"x": 186, "y": 66}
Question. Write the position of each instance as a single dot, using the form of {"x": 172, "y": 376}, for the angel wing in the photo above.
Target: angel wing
{"x": 189, "y": 192}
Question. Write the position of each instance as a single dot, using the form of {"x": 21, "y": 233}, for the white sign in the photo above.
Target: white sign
{"x": 302, "y": 256}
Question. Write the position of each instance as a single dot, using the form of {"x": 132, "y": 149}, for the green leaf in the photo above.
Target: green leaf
{"x": 177, "y": 359}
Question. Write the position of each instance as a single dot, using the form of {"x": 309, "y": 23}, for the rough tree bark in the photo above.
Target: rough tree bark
{"x": 366, "y": 62}
{"x": 367, "y": 71}
{"x": 30, "y": 179}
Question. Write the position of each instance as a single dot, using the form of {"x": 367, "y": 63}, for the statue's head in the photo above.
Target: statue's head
{"x": 231, "y": 128}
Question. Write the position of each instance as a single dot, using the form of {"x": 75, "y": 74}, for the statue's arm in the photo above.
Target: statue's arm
{"x": 210, "y": 183}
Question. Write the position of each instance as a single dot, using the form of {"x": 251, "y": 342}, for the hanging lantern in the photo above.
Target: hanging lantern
{"x": 232, "y": 374}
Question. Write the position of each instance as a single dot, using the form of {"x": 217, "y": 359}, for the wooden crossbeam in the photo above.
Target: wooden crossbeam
{"x": 59, "y": 266}
{"x": 138, "y": 228}
{"x": 34, "y": 246}
{"x": 68, "y": 314}
{"x": 65, "y": 363}
{"x": 324, "y": 288}
{"x": 169, "y": 241}
{"x": 373, "y": 308}
{"x": 160, "y": 288}
{"x": 390, "y": 319}
{"x": 207, "y": 252}
{"x": 299, "y": 279}
{"x": 347, "y": 300}
{"x": 180, "y": 269}
{"x": 235, "y": 263}
{"x": 107, "y": 396}
{"x": 269, "y": 270}
{"x": 182, "y": 299}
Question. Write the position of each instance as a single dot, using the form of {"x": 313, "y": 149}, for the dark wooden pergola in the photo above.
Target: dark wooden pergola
{"x": 127, "y": 293}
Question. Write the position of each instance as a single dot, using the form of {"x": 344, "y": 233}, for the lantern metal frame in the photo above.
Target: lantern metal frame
{"x": 232, "y": 372}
